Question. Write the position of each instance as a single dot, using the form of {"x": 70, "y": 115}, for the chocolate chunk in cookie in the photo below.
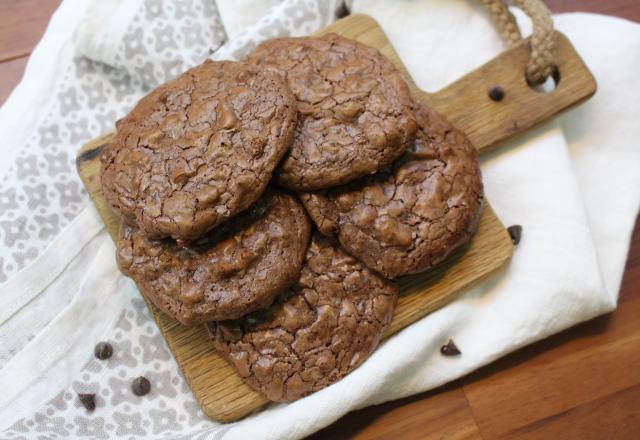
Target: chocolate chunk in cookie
{"x": 239, "y": 267}
{"x": 199, "y": 149}
{"x": 410, "y": 217}
{"x": 354, "y": 109}
{"x": 316, "y": 333}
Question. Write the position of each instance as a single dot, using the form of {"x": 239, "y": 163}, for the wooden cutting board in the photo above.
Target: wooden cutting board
{"x": 220, "y": 392}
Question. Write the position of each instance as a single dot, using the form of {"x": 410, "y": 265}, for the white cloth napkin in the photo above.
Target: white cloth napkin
{"x": 152, "y": 41}
{"x": 572, "y": 184}
{"x": 238, "y": 15}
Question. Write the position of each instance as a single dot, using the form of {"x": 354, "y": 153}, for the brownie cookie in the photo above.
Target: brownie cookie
{"x": 314, "y": 334}
{"x": 199, "y": 149}
{"x": 354, "y": 109}
{"x": 410, "y": 217}
{"x": 239, "y": 267}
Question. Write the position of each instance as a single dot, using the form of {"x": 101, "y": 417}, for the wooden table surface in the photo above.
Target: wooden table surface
{"x": 583, "y": 383}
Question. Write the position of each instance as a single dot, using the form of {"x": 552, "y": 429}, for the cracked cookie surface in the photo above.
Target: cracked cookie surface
{"x": 410, "y": 217}
{"x": 239, "y": 267}
{"x": 354, "y": 109}
{"x": 199, "y": 149}
{"x": 324, "y": 327}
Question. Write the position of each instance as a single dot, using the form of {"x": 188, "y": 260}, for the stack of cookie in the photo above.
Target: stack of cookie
{"x": 216, "y": 173}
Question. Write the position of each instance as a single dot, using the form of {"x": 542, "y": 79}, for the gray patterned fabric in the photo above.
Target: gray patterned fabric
{"x": 42, "y": 199}
{"x": 162, "y": 40}
{"x": 138, "y": 348}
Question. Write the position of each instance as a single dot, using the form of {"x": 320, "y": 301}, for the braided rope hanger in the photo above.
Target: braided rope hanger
{"x": 540, "y": 65}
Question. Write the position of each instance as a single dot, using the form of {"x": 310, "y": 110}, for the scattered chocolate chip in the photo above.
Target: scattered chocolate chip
{"x": 496, "y": 93}
{"x": 450, "y": 349}
{"x": 103, "y": 350}
{"x": 342, "y": 10}
{"x": 140, "y": 386}
{"x": 515, "y": 232}
{"x": 88, "y": 401}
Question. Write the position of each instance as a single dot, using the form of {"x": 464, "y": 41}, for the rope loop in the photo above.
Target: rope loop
{"x": 540, "y": 65}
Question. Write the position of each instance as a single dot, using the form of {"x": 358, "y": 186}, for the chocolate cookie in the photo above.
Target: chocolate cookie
{"x": 410, "y": 217}
{"x": 237, "y": 268}
{"x": 316, "y": 333}
{"x": 199, "y": 149}
{"x": 354, "y": 109}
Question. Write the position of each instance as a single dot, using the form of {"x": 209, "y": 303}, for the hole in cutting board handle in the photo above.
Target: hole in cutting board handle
{"x": 549, "y": 85}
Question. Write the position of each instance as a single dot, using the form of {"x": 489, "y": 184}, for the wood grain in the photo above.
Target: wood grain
{"x": 441, "y": 413}
{"x": 219, "y": 391}
{"x": 629, "y": 9}
{"x": 547, "y": 384}
{"x": 23, "y": 23}
{"x": 615, "y": 416}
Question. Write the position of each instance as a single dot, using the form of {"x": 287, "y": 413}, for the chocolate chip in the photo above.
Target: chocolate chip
{"x": 496, "y": 93}
{"x": 450, "y": 349}
{"x": 140, "y": 386}
{"x": 515, "y": 232}
{"x": 342, "y": 10}
{"x": 88, "y": 401}
{"x": 103, "y": 350}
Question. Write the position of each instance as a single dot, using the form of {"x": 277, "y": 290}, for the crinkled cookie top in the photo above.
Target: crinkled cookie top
{"x": 410, "y": 217}
{"x": 316, "y": 333}
{"x": 199, "y": 149}
{"x": 237, "y": 268}
{"x": 354, "y": 109}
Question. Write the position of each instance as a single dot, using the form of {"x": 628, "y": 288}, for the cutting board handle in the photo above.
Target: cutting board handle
{"x": 487, "y": 121}
{"x": 466, "y": 102}
{"x": 219, "y": 390}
